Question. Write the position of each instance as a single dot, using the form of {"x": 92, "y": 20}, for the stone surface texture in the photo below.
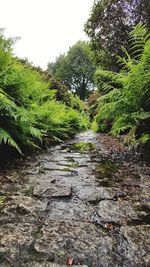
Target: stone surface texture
{"x": 92, "y": 206}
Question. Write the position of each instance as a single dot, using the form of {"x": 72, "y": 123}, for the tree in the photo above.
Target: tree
{"x": 75, "y": 69}
{"x": 109, "y": 25}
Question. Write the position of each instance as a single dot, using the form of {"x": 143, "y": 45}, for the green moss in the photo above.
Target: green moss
{"x": 2, "y": 200}
{"x": 74, "y": 165}
{"x": 83, "y": 146}
{"x": 29, "y": 191}
{"x": 36, "y": 234}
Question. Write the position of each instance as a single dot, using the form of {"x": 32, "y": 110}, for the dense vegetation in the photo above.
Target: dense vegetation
{"x": 109, "y": 24}
{"x": 37, "y": 107}
{"x": 120, "y": 40}
{"x": 33, "y": 106}
{"x": 124, "y": 104}
{"x": 75, "y": 69}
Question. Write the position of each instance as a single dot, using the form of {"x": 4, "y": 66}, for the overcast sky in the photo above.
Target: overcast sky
{"x": 46, "y": 27}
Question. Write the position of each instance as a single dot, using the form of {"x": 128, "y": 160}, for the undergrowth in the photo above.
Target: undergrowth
{"x": 31, "y": 111}
{"x": 124, "y": 107}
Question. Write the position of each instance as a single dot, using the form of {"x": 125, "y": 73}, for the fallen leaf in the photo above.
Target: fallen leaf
{"x": 109, "y": 226}
{"x": 69, "y": 261}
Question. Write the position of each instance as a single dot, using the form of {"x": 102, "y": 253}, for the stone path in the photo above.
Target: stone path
{"x": 90, "y": 204}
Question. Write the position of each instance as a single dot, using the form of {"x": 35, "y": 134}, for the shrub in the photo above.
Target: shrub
{"x": 30, "y": 110}
{"x": 127, "y": 108}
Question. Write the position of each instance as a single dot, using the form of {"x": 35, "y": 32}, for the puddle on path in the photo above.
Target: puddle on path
{"x": 75, "y": 199}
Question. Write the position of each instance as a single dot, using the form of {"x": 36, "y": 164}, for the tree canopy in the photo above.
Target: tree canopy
{"x": 75, "y": 69}
{"x": 109, "y": 25}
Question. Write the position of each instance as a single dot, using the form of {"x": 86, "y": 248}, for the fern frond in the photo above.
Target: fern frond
{"x": 127, "y": 61}
{"x": 138, "y": 38}
{"x": 106, "y": 81}
{"x": 141, "y": 115}
{"x": 35, "y": 132}
{"x": 6, "y": 138}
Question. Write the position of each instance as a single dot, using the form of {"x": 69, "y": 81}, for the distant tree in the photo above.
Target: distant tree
{"x": 109, "y": 25}
{"x": 75, "y": 69}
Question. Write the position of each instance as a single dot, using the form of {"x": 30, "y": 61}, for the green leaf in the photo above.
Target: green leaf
{"x": 6, "y": 138}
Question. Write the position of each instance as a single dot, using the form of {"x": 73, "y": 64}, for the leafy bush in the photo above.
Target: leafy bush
{"x": 127, "y": 108}
{"x": 29, "y": 109}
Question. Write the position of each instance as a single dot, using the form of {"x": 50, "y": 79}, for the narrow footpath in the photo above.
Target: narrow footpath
{"x": 82, "y": 203}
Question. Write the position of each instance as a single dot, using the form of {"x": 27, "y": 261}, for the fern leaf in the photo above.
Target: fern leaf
{"x": 6, "y": 138}
{"x": 35, "y": 132}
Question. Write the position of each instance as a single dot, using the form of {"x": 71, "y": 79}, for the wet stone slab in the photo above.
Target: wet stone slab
{"x": 135, "y": 245}
{"x": 120, "y": 211}
{"x": 75, "y": 210}
{"x": 93, "y": 194}
{"x": 53, "y": 191}
{"x": 22, "y": 209}
{"x": 25, "y": 205}
{"x": 85, "y": 242}
{"x": 15, "y": 242}
{"x": 50, "y": 166}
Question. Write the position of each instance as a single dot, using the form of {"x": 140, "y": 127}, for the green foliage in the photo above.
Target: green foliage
{"x": 6, "y": 138}
{"x": 92, "y": 103}
{"x": 30, "y": 109}
{"x": 2, "y": 200}
{"x": 75, "y": 69}
{"x": 76, "y": 103}
{"x": 94, "y": 126}
{"x": 106, "y": 80}
{"x": 138, "y": 38}
{"x": 122, "y": 110}
{"x": 84, "y": 146}
{"x": 109, "y": 24}
{"x": 145, "y": 138}
{"x": 59, "y": 121}
{"x": 108, "y": 109}
{"x": 62, "y": 93}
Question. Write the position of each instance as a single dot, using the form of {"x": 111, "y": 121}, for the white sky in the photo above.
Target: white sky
{"x": 46, "y": 27}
